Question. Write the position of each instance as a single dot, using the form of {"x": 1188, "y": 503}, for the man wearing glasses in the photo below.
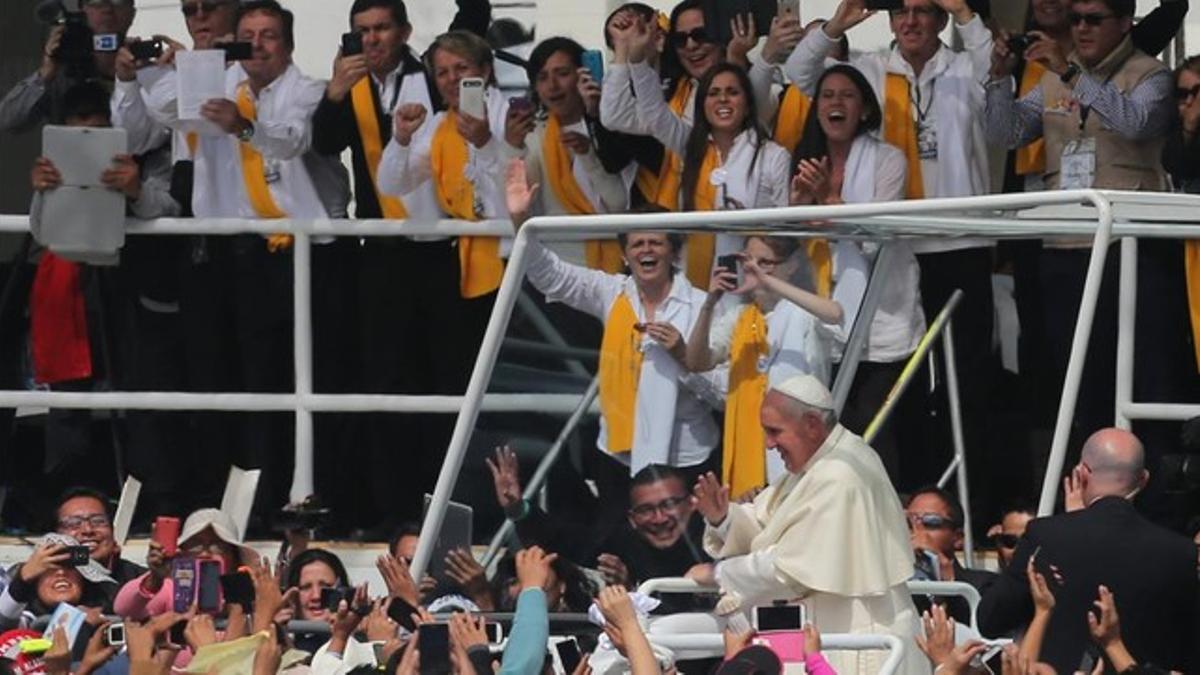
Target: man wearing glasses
{"x": 935, "y": 527}
{"x": 83, "y": 513}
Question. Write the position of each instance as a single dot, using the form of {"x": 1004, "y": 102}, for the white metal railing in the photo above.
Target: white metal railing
{"x": 713, "y": 645}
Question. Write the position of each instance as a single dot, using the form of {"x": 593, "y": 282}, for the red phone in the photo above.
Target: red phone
{"x": 166, "y": 533}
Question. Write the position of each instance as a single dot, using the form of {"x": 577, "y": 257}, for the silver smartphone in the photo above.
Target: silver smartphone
{"x": 789, "y": 9}
{"x": 470, "y": 97}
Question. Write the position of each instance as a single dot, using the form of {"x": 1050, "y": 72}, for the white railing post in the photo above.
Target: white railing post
{"x": 856, "y": 345}
{"x": 302, "y": 472}
{"x": 956, "y": 430}
{"x": 1126, "y": 330}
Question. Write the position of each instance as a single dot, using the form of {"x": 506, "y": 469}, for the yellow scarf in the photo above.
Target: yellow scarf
{"x": 1191, "y": 264}
{"x": 700, "y": 247}
{"x": 479, "y": 257}
{"x": 821, "y": 258}
{"x": 1031, "y": 159}
{"x": 362, "y": 99}
{"x": 620, "y": 370}
{"x": 601, "y": 254}
{"x": 744, "y": 464}
{"x": 793, "y": 113}
{"x": 649, "y": 183}
{"x": 254, "y": 175}
{"x": 899, "y": 130}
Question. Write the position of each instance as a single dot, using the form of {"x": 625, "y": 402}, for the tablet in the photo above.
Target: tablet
{"x": 456, "y": 533}
{"x": 81, "y": 154}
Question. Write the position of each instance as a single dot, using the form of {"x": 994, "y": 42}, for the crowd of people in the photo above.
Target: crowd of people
{"x": 720, "y": 456}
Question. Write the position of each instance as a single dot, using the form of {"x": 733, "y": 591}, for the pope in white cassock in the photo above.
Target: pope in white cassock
{"x": 830, "y": 533}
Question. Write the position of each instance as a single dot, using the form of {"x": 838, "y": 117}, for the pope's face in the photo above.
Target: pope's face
{"x": 796, "y": 439}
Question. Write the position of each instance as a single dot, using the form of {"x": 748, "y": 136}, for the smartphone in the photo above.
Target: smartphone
{"x": 166, "y": 534}
{"x": 333, "y": 596}
{"x": 183, "y": 577}
{"x": 568, "y": 654}
{"x": 593, "y": 60}
{"x": 789, "y": 9}
{"x": 114, "y": 635}
{"x": 470, "y": 97}
{"x": 80, "y": 556}
{"x": 352, "y": 43}
{"x": 401, "y": 612}
{"x": 238, "y": 588}
{"x": 731, "y": 263}
{"x": 208, "y": 584}
{"x": 237, "y": 51}
{"x": 1017, "y": 44}
{"x": 495, "y": 632}
{"x": 520, "y": 104}
{"x": 145, "y": 50}
{"x": 175, "y": 635}
{"x": 778, "y": 617}
{"x": 106, "y": 42}
{"x": 435, "y": 647}
{"x": 994, "y": 647}
{"x": 886, "y": 5}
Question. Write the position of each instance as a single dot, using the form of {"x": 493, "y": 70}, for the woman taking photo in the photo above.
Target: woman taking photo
{"x": 839, "y": 161}
{"x": 559, "y": 152}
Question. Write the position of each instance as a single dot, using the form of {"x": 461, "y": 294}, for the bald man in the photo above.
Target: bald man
{"x": 1151, "y": 571}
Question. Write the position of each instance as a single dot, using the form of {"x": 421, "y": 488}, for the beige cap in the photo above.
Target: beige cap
{"x": 220, "y": 522}
{"x": 807, "y": 390}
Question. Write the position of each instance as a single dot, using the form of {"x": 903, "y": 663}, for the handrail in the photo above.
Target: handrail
{"x": 713, "y": 644}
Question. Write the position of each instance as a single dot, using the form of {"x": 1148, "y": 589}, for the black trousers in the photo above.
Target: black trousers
{"x": 418, "y": 336}
{"x": 872, "y": 382}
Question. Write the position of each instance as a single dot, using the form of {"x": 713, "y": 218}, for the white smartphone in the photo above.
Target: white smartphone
{"x": 778, "y": 617}
{"x": 470, "y": 97}
{"x": 789, "y": 9}
{"x": 994, "y": 647}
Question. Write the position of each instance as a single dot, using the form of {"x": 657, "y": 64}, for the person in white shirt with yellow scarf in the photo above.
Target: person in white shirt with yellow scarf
{"x": 560, "y": 153}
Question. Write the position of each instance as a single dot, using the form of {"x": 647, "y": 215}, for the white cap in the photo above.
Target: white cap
{"x": 807, "y": 390}
{"x": 218, "y": 520}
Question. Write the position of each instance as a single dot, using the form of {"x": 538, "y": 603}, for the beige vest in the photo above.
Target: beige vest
{"x": 1121, "y": 163}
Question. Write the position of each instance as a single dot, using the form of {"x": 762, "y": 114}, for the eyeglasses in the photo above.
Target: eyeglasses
{"x": 209, "y": 6}
{"x": 666, "y": 506}
{"x": 931, "y": 521}
{"x": 699, "y": 35}
{"x": 72, "y": 523}
{"x": 1006, "y": 540}
{"x": 1182, "y": 94}
{"x": 923, "y": 10}
{"x": 1093, "y": 19}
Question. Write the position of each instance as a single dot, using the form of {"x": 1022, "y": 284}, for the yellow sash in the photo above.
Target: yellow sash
{"x": 793, "y": 113}
{"x": 651, "y": 184}
{"x": 1031, "y": 159}
{"x": 362, "y": 99}
{"x": 700, "y": 247}
{"x": 744, "y": 464}
{"x": 193, "y": 140}
{"x": 479, "y": 257}
{"x": 899, "y": 130}
{"x": 1191, "y": 262}
{"x": 254, "y": 176}
{"x": 601, "y": 254}
{"x": 821, "y": 258}
{"x": 620, "y": 370}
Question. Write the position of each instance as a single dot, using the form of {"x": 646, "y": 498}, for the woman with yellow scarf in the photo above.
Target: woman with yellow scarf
{"x": 561, "y": 152}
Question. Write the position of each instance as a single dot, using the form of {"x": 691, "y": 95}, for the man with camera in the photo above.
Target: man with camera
{"x": 81, "y": 46}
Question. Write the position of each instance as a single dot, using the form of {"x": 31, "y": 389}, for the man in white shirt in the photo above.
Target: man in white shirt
{"x": 933, "y": 102}
{"x": 249, "y": 163}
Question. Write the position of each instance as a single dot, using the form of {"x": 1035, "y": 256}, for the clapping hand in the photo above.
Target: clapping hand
{"x": 712, "y": 498}
{"x": 812, "y": 182}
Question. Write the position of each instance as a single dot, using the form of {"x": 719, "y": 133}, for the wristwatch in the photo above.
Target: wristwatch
{"x": 246, "y": 133}
{"x": 1069, "y": 74}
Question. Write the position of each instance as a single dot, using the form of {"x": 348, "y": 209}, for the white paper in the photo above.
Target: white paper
{"x": 201, "y": 78}
{"x": 239, "y": 497}
{"x": 125, "y": 508}
{"x": 82, "y": 154}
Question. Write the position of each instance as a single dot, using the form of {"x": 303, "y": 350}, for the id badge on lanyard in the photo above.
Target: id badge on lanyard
{"x": 1078, "y": 164}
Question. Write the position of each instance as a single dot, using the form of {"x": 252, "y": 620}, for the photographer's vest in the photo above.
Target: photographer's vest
{"x": 1121, "y": 163}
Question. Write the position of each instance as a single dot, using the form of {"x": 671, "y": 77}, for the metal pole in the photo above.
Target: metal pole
{"x": 856, "y": 344}
{"x": 302, "y": 472}
{"x": 1126, "y": 332}
{"x": 1079, "y": 343}
{"x": 544, "y": 466}
{"x": 948, "y": 473}
{"x": 914, "y": 364}
{"x": 506, "y": 298}
{"x": 960, "y": 454}
{"x": 548, "y": 331}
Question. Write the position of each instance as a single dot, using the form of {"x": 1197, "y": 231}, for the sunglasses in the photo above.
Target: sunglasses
{"x": 931, "y": 521}
{"x": 1006, "y": 540}
{"x": 1075, "y": 18}
{"x": 1182, "y": 94}
{"x": 699, "y": 35}
{"x": 209, "y": 6}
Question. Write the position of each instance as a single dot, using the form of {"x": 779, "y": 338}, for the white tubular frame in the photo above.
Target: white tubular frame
{"x": 934, "y": 218}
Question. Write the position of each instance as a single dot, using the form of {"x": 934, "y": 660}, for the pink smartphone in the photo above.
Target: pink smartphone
{"x": 787, "y": 645}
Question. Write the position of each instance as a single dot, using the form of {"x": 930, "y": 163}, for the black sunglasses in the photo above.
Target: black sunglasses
{"x": 209, "y": 6}
{"x": 1006, "y": 540}
{"x": 1182, "y": 94}
{"x": 1074, "y": 18}
{"x": 931, "y": 521}
{"x": 699, "y": 34}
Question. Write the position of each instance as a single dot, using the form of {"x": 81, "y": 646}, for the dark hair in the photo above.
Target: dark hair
{"x": 86, "y": 99}
{"x": 697, "y": 143}
{"x": 79, "y": 491}
{"x": 951, "y": 502}
{"x": 1191, "y": 63}
{"x": 814, "y": 144}
{"x": 399, "y": 11}
{"x": 782, "y": 247}
{"x": 542, "y": 53}
{"x": 654, "y": 473}
{"x": 675, "y": 239}
{"x": 315, "y": 555}
{"x": 1122, "y": 8}
{"x": 275, "y": 9}
{"x": 670, "y": 68}
{"x": 408, "y": 529}
{"x": 648, "y": 13}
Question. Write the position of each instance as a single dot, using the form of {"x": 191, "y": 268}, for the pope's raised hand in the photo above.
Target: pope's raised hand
{"x": 712, "y": 498}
